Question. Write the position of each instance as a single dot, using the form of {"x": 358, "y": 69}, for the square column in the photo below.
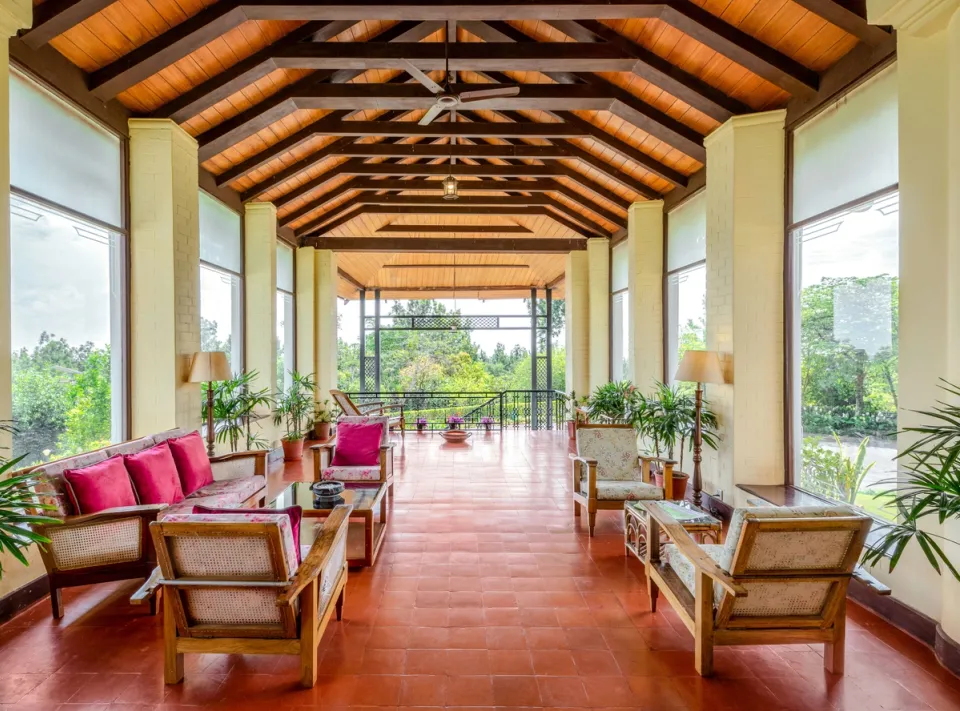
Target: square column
{"x": 164, "y": 276}
{"x": 325, "y": 317}
{"x": 260, "y": 302}
{"x": 645, "y": 280}
{"x": 576, "y": 292}
{"x": 305, "y": 267}
{"x": 598, "y": 265}
{"x": 745, "y": 189}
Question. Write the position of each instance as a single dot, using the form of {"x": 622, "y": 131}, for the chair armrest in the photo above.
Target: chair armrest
{"x": 654, "y": 458}
{"x": 322, "y": 457}
{"x": 320, "y": 552}
{"x": 861, "y": 574}
{"x": 148, "y": 589}
{"x": 369, "y": 406}
{"x": 387, "y": 447}
{"x": 259, "y": 457}
{"x": 694, "y": 553}
{"x": 326, "y": 445}
{"x": 147, "y": 511}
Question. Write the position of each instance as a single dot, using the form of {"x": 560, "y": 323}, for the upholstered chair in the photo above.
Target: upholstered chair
{"x": 324, "y": 456}
{"x": 780, "y": 577}
{"x": 234, "y": 584}
{"x": 607, "y": 471}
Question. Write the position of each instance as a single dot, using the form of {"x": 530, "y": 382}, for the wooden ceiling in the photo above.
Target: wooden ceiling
{"x": 314, "y": 106}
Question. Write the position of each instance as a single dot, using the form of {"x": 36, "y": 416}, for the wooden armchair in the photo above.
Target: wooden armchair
{"x": 780, "y": 578}
{"x": 231, "y": 584}
{"x": 323, "y": 454}
{"x": 607, "y": 471}
{"x": 350, "y": 409}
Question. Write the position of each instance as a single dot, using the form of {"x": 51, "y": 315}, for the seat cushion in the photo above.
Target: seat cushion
{"x": 154, "y": 475}
{"x": 294, "y": 512}
{"x": 239, "y": 489}
{"x": 351, "y": 473}
{"x": 101, "y": 486}
{"x": 186, "y": 506}
{"x": 358, "y": 443}
{"x": 626, "y": 491}
{"x": 193, "y": 464}
{"x": 684, "y": 568}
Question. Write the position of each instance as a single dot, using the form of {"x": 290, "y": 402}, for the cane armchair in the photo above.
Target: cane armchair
{"x": 607, "y": 471}
{"x": 323, "y": 455}
{"x": 780, "y": 578}
{"x": 350, "y": 409}
{"x": 232, "y": 584}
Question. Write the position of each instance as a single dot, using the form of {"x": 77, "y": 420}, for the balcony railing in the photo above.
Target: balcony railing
{"x": 530, "y": 409}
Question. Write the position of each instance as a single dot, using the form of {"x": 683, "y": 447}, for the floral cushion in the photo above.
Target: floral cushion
{"x": 240, "y": 489}
{"x": 627, "y": 491}
{"x": 614, "y": 448}
{"x": 684, "y": 568}
{"x": 352, "y": 473}
{"x": 223, "y": 501}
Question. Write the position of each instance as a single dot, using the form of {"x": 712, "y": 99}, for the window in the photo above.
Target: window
{"x": 286, "y": 332}
{"x": 68, "y": 278}
{"x": 845, "y": 240}
{"x": 620, "y": 312}
{"x": 685, "y": 310}
{"x": 221, "y": 283}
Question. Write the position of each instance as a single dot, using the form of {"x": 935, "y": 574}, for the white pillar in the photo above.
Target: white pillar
{"x": 576, "y": 287}
{"x": 325, "y": 314}
{"x": 928, "y": 71}
{"x": 598, "y": 265}
{"x": 645, "y": 255}
{"x": 260, "y": 302}
{"x": 164, "y": 276}
{"x": 745, "y": 188}
{"x": 306, "y": 267}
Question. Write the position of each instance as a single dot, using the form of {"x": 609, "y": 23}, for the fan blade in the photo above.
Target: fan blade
{"x": 481, "y": 94}
{"x": 431, "y": 114}
{"x": 412, "y": 70}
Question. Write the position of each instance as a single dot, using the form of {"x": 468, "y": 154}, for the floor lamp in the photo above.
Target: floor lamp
{"x": 699, "y": 367}
{"x": 209, "y": 367}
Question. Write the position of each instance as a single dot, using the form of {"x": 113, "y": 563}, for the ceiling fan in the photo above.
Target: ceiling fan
{"x": 446, "y": 99}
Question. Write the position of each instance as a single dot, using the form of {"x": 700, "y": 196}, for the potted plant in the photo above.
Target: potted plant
{"x": 293, "y": 409}
{"x": 487, "y": 422}
{"x": 617, "y": 402}
{"x": 421, "y": 424}
{"x": 454, "y": 421}
{"x": 322, "y": 417}
{"x": 235, "y": 405}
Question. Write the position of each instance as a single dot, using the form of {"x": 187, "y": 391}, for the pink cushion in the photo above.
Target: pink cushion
{"x": 193, "y": 465}
{"x": 358, "y": 444}
{"x": 101, "y": 486}
{"x": 294, "y": 512}
{"x": 154, "y": 475}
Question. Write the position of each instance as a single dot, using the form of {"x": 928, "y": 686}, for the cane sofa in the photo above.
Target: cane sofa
{"x": 114, "y": 544}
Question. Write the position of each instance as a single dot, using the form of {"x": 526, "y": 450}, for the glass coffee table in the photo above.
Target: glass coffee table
{"x": 694, "y": 520}
{"x": 364, "y": 536}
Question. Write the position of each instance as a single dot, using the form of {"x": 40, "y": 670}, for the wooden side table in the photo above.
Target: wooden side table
{"x": 694, "y": 520}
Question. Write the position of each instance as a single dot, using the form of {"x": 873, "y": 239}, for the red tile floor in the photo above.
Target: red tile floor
{"x": 486, "y": 594}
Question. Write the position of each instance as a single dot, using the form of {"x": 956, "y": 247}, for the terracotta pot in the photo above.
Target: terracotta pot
{"x": 679, "y": 484}
{"x": 421, "y": 428}
{"x": 572, "y": 429}
{"x": 323, "y": 430}
{"x": 292, "y": 449}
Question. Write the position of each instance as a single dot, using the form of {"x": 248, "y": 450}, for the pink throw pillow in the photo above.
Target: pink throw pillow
{"x": 100, "y": 486}
{"x": 154, "y": 475}
{"x": 193, "y": 465}
{"x": 358, "y": 444}
{"x": 294, "y": 512}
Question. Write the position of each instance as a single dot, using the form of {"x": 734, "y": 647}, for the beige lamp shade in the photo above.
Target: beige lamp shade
{"x": 700, "y": 367}
{"x": 209, "y": 366}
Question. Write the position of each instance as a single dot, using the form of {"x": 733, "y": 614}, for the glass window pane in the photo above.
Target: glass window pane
{"x": 619, "y": 267}
{"x": 221, "y": 314}
{"x": 286, "y": 348}
{"x": 847, "y": 341}
{"x": 284, "y": 267}
{"x": 59, "y": 154}
{"x": 848, "y": 151}
{"x": 686, "y": 315}
{"x": 68, "y": 323}
{"x": 619, "y": 328}
{"x": 687, "y": 233}
{"x": 221, "y": 241}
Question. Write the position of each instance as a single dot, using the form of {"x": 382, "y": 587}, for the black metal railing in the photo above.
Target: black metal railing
{"x": 486, "y": 410}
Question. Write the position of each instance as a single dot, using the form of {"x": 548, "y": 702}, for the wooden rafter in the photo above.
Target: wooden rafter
{"x": 457, "y": 229}
{"x": 529, "y": 245}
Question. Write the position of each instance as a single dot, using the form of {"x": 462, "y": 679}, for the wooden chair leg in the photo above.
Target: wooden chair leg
{"x": 592, "y": 515}
{"x": 340, "y": 601}
{"x": 308, "y": 635}
{"x": 576, "y": 509}
{"x": 833, "y": 652}
{"x": 703, "y": 625}
{"x": 172, "y": 661}
{"x": 653, "y": 592}
{"x": 154, "y": 601}
{"x": 56, "y": 603}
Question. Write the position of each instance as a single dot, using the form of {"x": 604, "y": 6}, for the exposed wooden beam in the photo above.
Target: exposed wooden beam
{"x": 848, "y": 21}
{"x": 55, "y": 17}
{"x": 459, "y": 289}
{"x": 535, "y": 186}
{"x": 448, "y": 265}
{"x": 461, "y": 170}
{"x": 336, "y": 127}
{"x": 349, "y": 279}
{"x": 457, "y": 229}
{"x": 461, "y": 150}
{"x": 556, "y": 281}
{"x": 530, "y": 245}
{"x": 450, "y": 10}
{"x": 487, "y": 201}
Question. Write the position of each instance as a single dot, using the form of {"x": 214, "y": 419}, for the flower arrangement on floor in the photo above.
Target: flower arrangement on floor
{"x": 454, "y": 421}
{"x": 421, "y": 424}
{"x": 487, "y": 422}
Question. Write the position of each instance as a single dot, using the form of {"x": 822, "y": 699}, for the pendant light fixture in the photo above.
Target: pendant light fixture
{"x": 450, "y": 187}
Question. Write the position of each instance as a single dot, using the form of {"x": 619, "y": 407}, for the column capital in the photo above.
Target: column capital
{"x": 596, "y": 240}
{"x": 920, "y": 18}
{"x": 146, "y": 126}
{"x": 763, "y": 118}
{"x": 646, "y": 205}
{"x": 256, "y": 207}
{"x": 15, "y": 15}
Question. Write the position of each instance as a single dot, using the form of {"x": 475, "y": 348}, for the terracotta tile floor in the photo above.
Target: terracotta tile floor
{"x": 485, "y": 595}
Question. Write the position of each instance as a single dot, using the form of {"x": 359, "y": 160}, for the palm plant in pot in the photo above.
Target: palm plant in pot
{"x": 294, "y": 407}
{"x": 618, "y": 402}
{"x": 322, "y": 418}
{"x": 235, "y": 406}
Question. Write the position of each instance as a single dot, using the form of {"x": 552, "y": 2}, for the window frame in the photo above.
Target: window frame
{"x": 293, "y": 298}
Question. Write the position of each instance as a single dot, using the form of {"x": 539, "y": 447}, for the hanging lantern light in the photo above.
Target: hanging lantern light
{"x": 450, "y": 188}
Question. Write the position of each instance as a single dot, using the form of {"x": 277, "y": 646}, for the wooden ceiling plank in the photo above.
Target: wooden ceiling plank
{"x": 571, "y": 219}
{"x": 506, "y": 245}
{"x": 349, "y": 279}
{"x": 847, "y": 20}
{"x": 457, "y": 229}
{"x": 54, "y": 17}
